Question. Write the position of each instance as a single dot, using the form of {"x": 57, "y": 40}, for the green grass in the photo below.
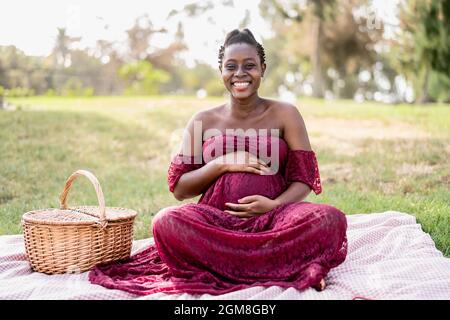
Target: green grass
{"x": 372, "y": 157}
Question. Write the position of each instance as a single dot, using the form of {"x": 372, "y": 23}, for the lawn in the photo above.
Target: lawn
{"x": 372, "y": 157}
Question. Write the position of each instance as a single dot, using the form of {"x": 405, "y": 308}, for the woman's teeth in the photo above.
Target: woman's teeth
{"x": 241, "y": 84}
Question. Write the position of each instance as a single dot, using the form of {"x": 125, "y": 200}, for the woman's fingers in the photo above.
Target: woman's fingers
{"x": 265, "y": 170}
{"x": 254, "y": 170}
{"x": 239, "y": 214}
{"x": 262, "y": 169}
{"x": 247, "y": 157}
{"x": 262, "y": 166}
{"x": 256, "y": 160}
{"x": 249, "y": 199}
{"x": 241, "y": 207}
{"x": 247, "y": 162}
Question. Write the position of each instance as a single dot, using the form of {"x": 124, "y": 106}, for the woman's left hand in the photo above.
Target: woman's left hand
{"x": 251, "y": 206}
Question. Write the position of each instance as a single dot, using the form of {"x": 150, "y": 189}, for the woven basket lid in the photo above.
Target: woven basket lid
{"x": 80, "y": 215}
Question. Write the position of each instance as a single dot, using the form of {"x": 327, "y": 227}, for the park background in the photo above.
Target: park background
{"x": 109, "y": 87}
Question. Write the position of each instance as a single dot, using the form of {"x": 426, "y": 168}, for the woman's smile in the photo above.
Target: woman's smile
{"x": 241, "y": 85}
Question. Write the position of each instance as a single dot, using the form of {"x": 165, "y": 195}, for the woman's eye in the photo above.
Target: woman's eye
{"x": 230, "y": 67}
{"x": 249, "y": 66}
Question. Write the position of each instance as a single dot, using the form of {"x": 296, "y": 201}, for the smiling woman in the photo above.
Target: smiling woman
{"x": 241, "y": 69}
{"x": 251, "y": 226}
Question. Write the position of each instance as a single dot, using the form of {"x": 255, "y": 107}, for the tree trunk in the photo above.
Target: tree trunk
{"x": 318, "y": 85}
{"x": 342, "y": 75}
{"x": 424, "y": 96}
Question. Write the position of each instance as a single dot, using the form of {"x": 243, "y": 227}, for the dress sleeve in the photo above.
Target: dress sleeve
{"x": 302, "y": 166}
{"x": 179, "y": 165}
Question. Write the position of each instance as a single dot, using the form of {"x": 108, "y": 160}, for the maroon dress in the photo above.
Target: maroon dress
{"x": 199, "y": 248}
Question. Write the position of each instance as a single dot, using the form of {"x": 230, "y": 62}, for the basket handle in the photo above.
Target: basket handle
{"x": 98, "y": 191}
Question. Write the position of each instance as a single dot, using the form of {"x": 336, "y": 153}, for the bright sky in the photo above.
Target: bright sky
{"x": 31, "y": 25}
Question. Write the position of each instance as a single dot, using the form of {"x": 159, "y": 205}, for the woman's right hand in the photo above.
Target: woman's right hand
{"x": 242, "y": 161}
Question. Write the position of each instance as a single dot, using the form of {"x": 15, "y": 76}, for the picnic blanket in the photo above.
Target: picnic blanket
{"x": 389, "y": 257}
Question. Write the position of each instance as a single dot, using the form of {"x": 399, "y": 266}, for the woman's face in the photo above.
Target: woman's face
{"x": 241, "y": 70}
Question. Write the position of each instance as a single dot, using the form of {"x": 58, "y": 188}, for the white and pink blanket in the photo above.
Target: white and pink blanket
{"x": 389, "y": 257}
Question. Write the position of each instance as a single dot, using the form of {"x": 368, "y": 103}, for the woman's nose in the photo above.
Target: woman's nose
{"x": 239, "y": 71}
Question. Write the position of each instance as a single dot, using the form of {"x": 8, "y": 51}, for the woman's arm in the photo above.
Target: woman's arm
{"x": 296, "y": 136}
{"x": 296, "y": 192}
{"x": 193, "y": 182}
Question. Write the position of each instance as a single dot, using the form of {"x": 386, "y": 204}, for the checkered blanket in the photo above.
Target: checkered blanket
{"x": 389, "y": 257}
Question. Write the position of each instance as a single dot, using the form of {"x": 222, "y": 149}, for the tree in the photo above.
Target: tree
{"x": 198, "y": 8}
{"x": 143, "y": 78}
{"x": 295, "y": 11}
{"x": 349, "y": 44}
{"x": 18, "y": 70}
{"x": 340, "y": 42}
{"x": 201, "y": 76}
{"x": 111, "y": 62}
{"x": 162, "y": 59}
{"x": 62, "y": 48}
{"x": 139, "y": 36}
{"x": 423, "y": 46}
{"x": 2, "y": 91}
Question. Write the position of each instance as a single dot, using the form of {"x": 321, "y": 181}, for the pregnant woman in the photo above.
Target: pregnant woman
{"x": 251, "y": 161}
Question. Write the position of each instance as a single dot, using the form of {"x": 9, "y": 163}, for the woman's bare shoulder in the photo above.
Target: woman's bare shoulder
{"x": 294, "y": 128}
{"x": 281, "y": 107}
{"x": 209, "y": 113}
{"x": 210, "y": 116}
{"x": 284, "y": 112}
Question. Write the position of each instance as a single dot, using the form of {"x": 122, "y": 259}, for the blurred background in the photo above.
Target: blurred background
{"x": 108, "y": 86}
{"x": 388, "y": 51}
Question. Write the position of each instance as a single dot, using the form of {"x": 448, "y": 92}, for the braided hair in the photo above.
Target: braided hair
{"x": 244, "y": 36}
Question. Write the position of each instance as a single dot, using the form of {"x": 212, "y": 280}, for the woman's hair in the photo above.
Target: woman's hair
{"x": 244, "y": 36}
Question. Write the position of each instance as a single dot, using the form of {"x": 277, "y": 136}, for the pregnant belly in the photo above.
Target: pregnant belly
{"x": 232, "y": 186}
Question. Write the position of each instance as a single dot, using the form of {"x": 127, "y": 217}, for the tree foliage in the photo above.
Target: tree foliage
{"x": 423, "y": 46}
{"x": 320, "y": 47}
{"x": 344, "y": 47}
{"x": 143, "y": 78}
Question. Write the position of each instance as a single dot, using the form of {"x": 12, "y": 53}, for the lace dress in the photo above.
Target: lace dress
{"x": 199, "y": 248}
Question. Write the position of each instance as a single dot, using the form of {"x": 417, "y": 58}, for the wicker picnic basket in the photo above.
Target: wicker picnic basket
{"x": 70, "y": 240}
